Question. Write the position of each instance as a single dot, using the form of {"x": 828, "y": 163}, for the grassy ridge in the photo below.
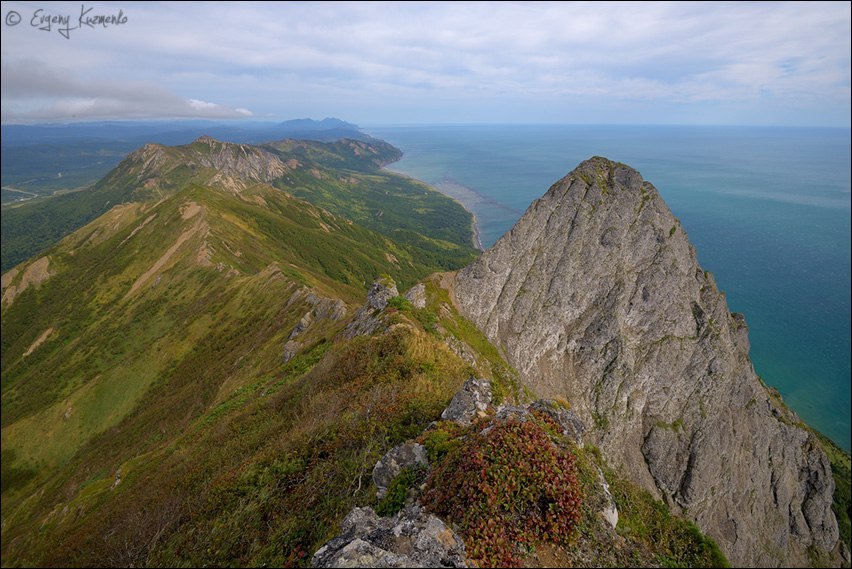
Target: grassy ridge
{"x": 109, "y": 346}
{"x": 157, "y": 423}
{"x": 342, "y": 177}
{"x": 248, "y": 465}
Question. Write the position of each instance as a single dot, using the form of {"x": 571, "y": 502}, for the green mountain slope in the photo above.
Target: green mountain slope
{"x": 135, "y": 350}
{"x": 343, "y": 177}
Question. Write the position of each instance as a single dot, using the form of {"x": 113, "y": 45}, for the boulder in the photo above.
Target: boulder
{"x": 411, "y": 538}
{"x": 470, "y": 402}
{"x": 416, "y": 295}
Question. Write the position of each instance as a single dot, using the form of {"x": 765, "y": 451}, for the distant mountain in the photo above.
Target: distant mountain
{"x": 41, "y": 159}
{"x": 174, "y": 132}
{"x": 342, "y": 176}
{"x": 328, "y": 123}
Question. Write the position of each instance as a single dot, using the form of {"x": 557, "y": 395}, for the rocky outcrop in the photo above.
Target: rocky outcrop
{"x": 411, "y": 538}
{"x": 469, "y": 403}
{"x": 34, "y": 274}
{"x": 368, "y": 318}
{"x": 240, "y": 161}
{"x": 406, "y": 455}
{"x": 416, "y": 295}
{"x": 596, "y": 296}
{"x": 231, "y": 166}
{"x": 322, "y": 309}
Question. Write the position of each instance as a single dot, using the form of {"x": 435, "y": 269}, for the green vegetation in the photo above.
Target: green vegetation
{"x": 840, "y": 468}
{"x": 440, "y": 440}
{"x": 401, "y": 303}
{"x": 261, "y": 478}
{"x": 163, "y": 372}
{"x": 649, "y": 535}
{"x": 37, "y": 166}
{"x": 490, "y": 363}
{"x": 397, "y": 492}
{"x": 157, "y": 424}
{"x": 507, "y": 489}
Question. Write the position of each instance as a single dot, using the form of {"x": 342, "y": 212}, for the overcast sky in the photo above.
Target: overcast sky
{"x": 574, "y": 62}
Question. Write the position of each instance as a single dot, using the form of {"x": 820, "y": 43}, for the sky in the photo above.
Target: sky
{"x": 740, "y": 63}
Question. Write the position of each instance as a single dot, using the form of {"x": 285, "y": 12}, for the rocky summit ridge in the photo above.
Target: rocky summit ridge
{"x": 596, "y": 295}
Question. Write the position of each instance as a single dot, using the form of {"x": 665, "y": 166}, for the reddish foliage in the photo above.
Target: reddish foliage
{"x": 506, "y": 490}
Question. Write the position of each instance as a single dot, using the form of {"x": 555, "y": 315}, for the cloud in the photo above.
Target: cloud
{"x": 33, "y": 90}
{"x": 371, "y": 59}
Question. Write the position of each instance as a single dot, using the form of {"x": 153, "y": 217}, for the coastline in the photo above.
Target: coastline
{"x": 462, "y": 195}
{"x": 457, "y": 193}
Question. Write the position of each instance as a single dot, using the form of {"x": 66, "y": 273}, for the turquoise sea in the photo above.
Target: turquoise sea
{"x": 768, "y": 210}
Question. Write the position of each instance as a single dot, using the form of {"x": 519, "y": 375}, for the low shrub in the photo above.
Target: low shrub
{"x": 507, "y": 488}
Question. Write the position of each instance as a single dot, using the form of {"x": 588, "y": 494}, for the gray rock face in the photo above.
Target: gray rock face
{"x": 394, "y": 461}
{"x": 380, "y": 293}
{"x": 412, "y": 538}
{"x": 596, "y": 295}
{"x": 469, "y": 403}
{"x": 368, "y": 318}
{"x": 416, "y": 295}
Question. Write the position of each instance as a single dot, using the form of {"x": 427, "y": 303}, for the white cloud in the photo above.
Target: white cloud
{"x": 35, "y": 91}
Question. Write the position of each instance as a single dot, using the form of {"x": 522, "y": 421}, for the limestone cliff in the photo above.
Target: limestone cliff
{"x": 596, "y": 295}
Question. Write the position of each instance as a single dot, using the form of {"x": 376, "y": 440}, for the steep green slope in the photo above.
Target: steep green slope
{"x": 173, "y": 306}
{"x": 238, "y": 457}
{"x": 235, "y": 458}
{"x": 130, "y": 293}
{"x": 405, "y": 209}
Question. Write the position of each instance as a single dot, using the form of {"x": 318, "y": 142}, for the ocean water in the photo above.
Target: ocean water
{"x": 768, "y": 210}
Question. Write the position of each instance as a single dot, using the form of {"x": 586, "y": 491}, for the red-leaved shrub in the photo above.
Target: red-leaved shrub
{"x": 506, "y": 489}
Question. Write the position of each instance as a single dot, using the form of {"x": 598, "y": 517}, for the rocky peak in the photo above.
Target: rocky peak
{"x": 241, "y": 161}
{"x": 369, "y": 317}
{"x": 596, "y": 295}
{"x": 234, "y": 166}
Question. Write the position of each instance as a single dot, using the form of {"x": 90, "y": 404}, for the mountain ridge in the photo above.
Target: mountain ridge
{"x": 316, "y": 171}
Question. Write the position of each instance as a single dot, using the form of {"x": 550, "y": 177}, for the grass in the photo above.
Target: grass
{"x": 259, "y": 475}
{"x": 181, "y": 345}
{"x": 649, "y": 534}
{"x": 426, "y": 227}
{"x": 491, "y": 364}
{"x": 840, "y": 469}
{"x": 399, "y": 489}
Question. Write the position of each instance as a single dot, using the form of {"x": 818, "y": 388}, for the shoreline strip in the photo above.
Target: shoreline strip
{"x": 462, "y": 195}
{"x": 457, "y": 192}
